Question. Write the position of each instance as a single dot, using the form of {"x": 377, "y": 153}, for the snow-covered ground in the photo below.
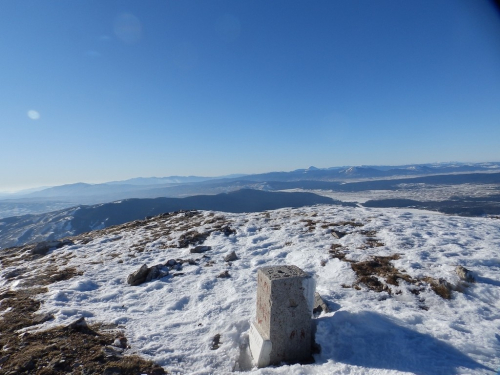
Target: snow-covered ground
{"x": 173, "y": 320}
{"x": 418, "y": 192}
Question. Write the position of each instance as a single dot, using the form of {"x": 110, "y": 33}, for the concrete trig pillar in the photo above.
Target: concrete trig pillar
{"x": 282, "y": 330}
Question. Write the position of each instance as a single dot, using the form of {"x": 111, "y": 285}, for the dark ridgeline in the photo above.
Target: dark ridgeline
{"x": 245, "y": 200}
{"x": 19, "y": 230}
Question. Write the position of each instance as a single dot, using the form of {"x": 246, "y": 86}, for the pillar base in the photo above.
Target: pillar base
{"x": 260, "y": 347}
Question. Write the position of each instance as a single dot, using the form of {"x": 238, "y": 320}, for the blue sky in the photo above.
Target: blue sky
{"x": 121, "y": 89}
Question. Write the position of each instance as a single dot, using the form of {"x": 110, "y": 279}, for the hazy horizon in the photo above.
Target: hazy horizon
{"x": 40, "y": 187}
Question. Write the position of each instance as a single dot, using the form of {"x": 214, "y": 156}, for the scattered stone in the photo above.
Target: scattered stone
{"x": 338, "y": 234}
{"x": 177, "y": 266}
{"x": 156, "y": 272}
{"x": 139, "y": 276}
{"x": 42, "y": 248}
{"x": 319, "y": 305}
{"x": 79, "y": 325}
{"x": 465, "y": 274}
{"x": 146, "y": 274}
{"x": 227, "y": 230}
{"x": 231, "y": 257}
{"x": 200, "y": 249}
{"x": 171, "y": 262}
{"x": 42, "y": 318}
{"x": 112, "y": 352}
{"x": 322, "y": 262}
{"x": 215, "y": 342}
{"x": 192, "y": 238}
{"x": 120, "y": 342}
{"x": 224, "y": 275}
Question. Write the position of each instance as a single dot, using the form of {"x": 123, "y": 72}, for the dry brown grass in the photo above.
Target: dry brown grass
{"x": 60, "y": 350}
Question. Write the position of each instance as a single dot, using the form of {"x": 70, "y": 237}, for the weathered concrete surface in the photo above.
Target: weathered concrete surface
{"x": 260, "y": 346}
{"x": 285, "y": 297}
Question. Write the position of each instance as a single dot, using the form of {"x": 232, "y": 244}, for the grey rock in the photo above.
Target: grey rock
{"x": 200, "y": 249}
{"x": 338, "y": 234}
{"x": 139, "y": 276}
{"x": 42, "y": 318}
{"x": 171, "y": 262}
{"x": 224, "y": 275}
{"x": 111, "y": 351}
{"x": 43, "y": 247}
{"x": 177, "y": 267}
{"x": 79, "y": 325}
{"x": 215, "y": 342}
{"x": 156, "y": 272}
{"x": 231, "y": 257}
{"x": 465, "y": 274}
{"x": 227, "y": 230}
{"x": 319, "y": 304}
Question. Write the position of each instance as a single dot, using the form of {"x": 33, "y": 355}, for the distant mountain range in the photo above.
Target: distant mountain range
{"x": 145, "y": 181}
{"x": 239, "y": 195}
{"x": 178, "y": 186}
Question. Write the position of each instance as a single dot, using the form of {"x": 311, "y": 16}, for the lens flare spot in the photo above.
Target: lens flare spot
{"x": 127, "y": 28}
{"x": 34, "y": 115}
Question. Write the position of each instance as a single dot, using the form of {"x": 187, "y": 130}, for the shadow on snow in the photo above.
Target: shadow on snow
{"x": 372, "y": 340}
{"x": 486, "y": 280}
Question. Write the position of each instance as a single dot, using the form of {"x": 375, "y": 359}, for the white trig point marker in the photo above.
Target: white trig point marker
{"x": 282, "y": 330}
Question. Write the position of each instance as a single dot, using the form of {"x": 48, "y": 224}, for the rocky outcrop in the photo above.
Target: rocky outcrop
{"x": 145, "y": 274}
{"x": 43, "y": 248}
{"x": 139, "y": 276}
{"x": 231, "y": 257}
{"x": 223, "y": 275}
{"x": 464, "y": 274}
{"x": 319, "y": 305}
{"x": 200, "y": 249}
{"x": 156, "y": 272}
